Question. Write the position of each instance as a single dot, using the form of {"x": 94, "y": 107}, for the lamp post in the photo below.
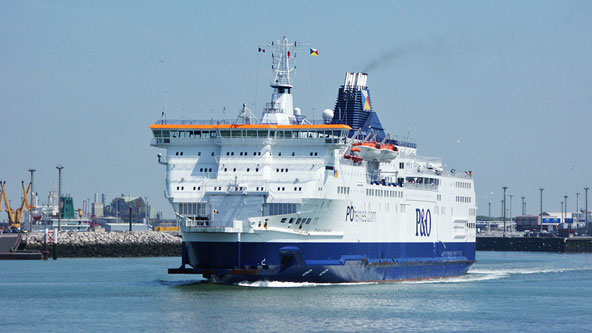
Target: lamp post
{"x": 565, "y": 207}
{"x": 504, "y": 209}
{"x": 523, "y": 206}
{"x": 511, "y": 210}
{"x": 489, "y": 222}
{"x": 146, "y": 208}
{"x": 586, "y": 212}
{"x": 541, "y": 215}
{"x": 577, "y": 203}
{"x": 59, "y": 167}
{"x": 562, "y": 216}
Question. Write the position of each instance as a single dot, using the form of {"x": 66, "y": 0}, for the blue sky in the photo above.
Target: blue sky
{"x": 501, "y": 88}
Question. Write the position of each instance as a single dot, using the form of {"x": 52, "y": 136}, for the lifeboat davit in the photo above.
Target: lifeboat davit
{"x": 373, "y": 151}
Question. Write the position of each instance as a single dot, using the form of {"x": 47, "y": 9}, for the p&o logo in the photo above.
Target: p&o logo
{"x": 423, "y": 222}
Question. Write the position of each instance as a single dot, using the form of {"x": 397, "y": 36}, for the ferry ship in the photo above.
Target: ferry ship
{"x": 284, "y": 198}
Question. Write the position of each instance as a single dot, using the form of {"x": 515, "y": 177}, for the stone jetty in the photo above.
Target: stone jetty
{"x": 110, "y": 244}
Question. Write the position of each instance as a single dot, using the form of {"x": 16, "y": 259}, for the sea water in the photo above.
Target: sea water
{"x": 503, "y": 291}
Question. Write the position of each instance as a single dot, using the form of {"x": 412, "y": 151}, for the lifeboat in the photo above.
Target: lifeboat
{"x": 373, "y": 151}
{"x": 368, "y": 150}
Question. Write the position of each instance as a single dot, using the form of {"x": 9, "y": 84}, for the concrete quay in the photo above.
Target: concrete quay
{"x": 535, "y": 244}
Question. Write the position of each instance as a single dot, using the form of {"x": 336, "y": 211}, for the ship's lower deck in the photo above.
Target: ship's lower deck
{"x": 231, "y": 262}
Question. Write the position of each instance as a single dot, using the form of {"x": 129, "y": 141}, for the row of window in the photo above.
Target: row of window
{"x": 255, "y": 153}
{"x": 297, "y": 221}
{"x": 343, "y": 189}
{"x": 180, "y": 153}
{"x": 296, "y": 189}
{"x": 463, "y": 199}
{"x": 194, "y": 209}
{"x": 280, "y": 208}
{"x": 423, "y": 180}
{"x": 463, "y": 185}
{"x": 182, "y": 188}
{"x": 234, "y": 169}
{"x": 262, "y": 133}
{"x": 236, "y": 188}
{"x": 383, "y": 193}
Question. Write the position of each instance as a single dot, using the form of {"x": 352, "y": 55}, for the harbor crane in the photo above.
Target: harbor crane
{"x": 15, "y": 217}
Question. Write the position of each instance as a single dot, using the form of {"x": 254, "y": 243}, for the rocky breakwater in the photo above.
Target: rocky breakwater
{"x": 110, "y": 244}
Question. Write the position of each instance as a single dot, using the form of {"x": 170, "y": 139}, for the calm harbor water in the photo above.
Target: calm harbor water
{"x": 504, "y": 291}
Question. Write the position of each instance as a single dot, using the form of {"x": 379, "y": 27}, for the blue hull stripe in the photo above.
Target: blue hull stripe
{"x": 328, "y": 262}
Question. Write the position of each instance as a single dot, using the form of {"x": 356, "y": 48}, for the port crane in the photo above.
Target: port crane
{"x": 15, "y": 217}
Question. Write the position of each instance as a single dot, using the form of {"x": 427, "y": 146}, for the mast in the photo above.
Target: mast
{"x": 281, "y": 108}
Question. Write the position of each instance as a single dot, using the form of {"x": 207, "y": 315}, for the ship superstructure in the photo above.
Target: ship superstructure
{"x": 288, "y": 199}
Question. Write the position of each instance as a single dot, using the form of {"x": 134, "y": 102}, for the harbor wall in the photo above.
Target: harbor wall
{"x": 535, "y": 244}
{"x": 110, "y": 244}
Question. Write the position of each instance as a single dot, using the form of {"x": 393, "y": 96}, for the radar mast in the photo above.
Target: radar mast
{"x": 281, "y": 108}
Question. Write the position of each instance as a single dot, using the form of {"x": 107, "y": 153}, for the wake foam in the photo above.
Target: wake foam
{"x": 534, "y": 270}
{"x": 476, "y": 274}
{"x": 279, "y": 284}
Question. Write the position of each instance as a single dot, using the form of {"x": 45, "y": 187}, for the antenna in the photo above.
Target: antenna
{"x": 165, "y": 89}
